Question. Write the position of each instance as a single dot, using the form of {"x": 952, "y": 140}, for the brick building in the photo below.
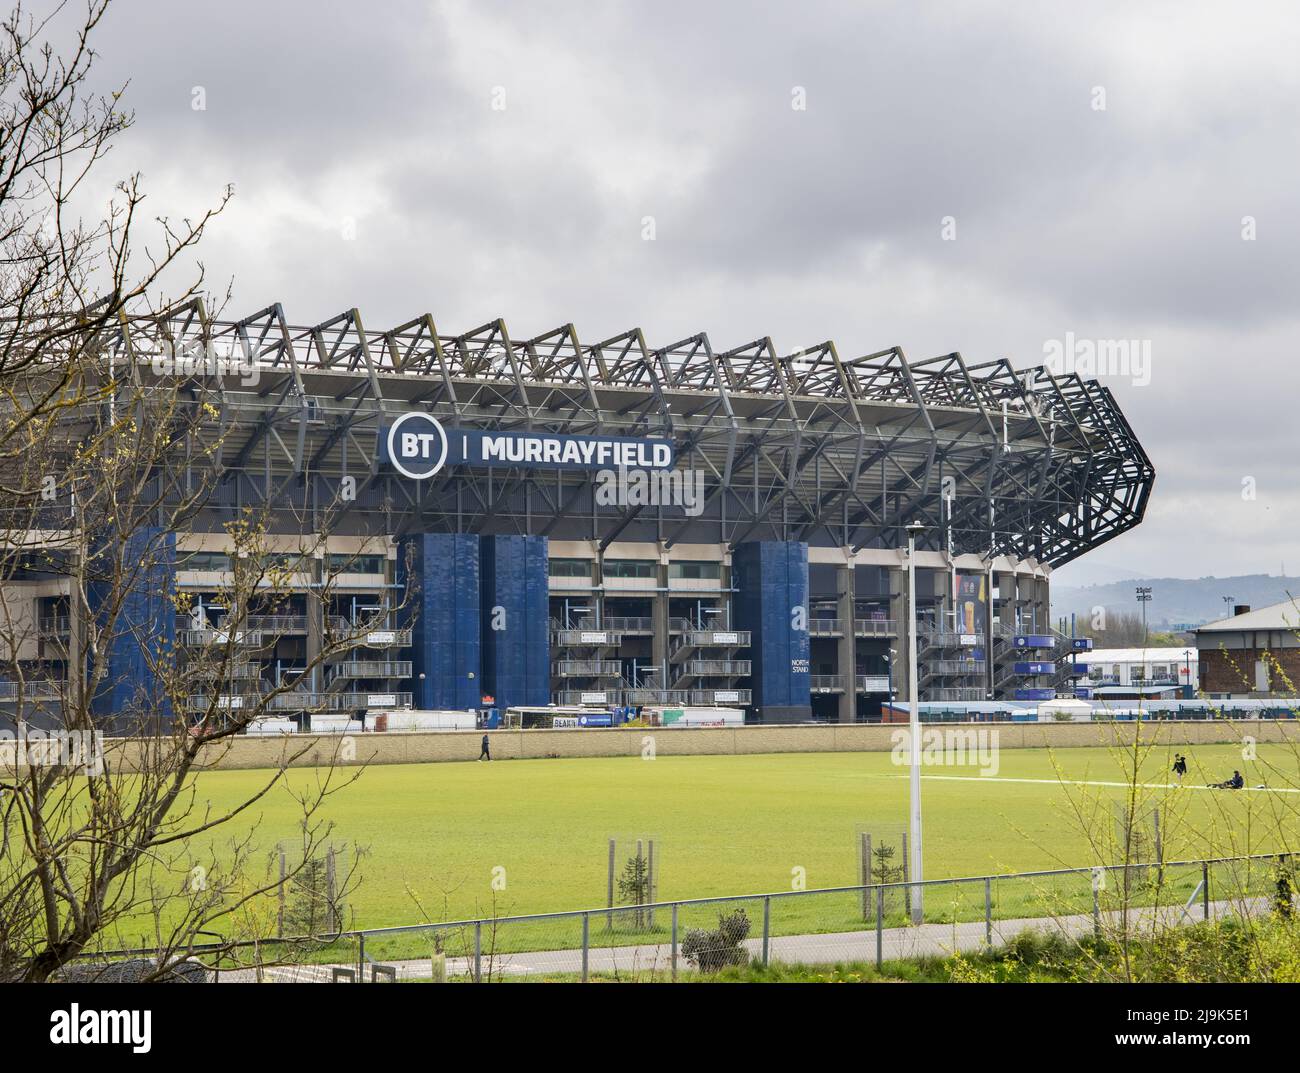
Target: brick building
{"x": 1251, "y": 654}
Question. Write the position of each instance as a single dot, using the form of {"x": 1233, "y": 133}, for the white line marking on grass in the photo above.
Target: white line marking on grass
{"x": 1087, "y": 782}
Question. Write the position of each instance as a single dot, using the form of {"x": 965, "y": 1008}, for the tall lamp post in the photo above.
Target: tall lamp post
{"x": 1144, "y": 598}
{"x": 914, "y": 722}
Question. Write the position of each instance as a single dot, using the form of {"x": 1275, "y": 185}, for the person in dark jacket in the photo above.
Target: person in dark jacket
{"x": 485, "y": 753}
{"x": 1180, "y": 767}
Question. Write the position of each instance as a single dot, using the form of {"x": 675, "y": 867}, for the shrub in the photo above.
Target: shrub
{"x": 712, "y": 951}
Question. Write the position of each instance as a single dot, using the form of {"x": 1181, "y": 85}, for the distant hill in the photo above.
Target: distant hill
{"x": 1176, "y": 600}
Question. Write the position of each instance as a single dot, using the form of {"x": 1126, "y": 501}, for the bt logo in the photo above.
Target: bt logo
{"x": 417, "y": 445}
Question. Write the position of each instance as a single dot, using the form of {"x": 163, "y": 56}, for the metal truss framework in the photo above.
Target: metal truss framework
{"x": 801, "y": 446}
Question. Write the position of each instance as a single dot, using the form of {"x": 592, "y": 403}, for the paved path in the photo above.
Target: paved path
{"x": 938, "y": 940}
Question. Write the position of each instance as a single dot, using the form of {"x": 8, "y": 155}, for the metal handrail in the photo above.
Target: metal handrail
{"x": 589, "y": 668}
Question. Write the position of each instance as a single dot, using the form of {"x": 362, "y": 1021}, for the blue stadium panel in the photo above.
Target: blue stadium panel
{"x": 441, "y": 583}
{"x": 772, "y": 603}
{"x": 516, "y": 637}
{"x": 143, "y": 631}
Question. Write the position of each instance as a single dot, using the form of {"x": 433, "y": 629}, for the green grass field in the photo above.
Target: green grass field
{"x": 736, "y": 824}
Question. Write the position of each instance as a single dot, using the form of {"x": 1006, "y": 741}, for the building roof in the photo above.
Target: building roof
{"x": 1137, "y": 655}
{"x": 1283, "y": 616}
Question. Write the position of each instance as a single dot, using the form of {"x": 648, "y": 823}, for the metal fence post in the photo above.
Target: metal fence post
{"x": 1205, "y": 889}
{"x": 674, "y": 941}
{"x": 988, "y": 912}
{"x": 284, "y": 871}
{"x": 880, "y": 926}
{"x": 1096, "y": 912}
{"x": 478, "y": 951}
{"x": 361, "y": 957}
{"x": 586, "y": 943}
{"x": 767, "y": 925}
{"x": 609, "y": 889}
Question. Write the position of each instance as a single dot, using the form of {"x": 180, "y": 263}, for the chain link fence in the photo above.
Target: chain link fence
{"x": 663, "y": 941}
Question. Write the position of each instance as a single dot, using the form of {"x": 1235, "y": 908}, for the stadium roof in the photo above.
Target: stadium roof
{"x": 803, "y": 445}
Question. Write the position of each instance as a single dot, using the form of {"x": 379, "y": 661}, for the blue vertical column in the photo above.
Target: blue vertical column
{"x": 440, "y": 574}
{"x": 772, "y": 603}
{"x": 515, "y": 613}
{"x": 141, "y": 577}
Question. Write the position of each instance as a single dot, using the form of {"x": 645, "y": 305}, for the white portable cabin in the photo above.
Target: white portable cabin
{"x": 271, "y": 726}
{"x": 419, "y": 719}
{"x": 700, "y": 717}
{"x": 1065, "y": 710}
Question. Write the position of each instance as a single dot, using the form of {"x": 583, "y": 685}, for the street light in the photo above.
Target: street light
{"x": 914, "y": 722}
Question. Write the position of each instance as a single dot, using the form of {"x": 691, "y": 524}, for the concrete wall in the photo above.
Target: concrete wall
{"x": 305, "y": 750}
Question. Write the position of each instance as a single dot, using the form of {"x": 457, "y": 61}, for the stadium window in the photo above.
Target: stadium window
{"x": 203, "y": 560}
{"x": 637, "y": 568}
{"x": 286, "y": 561}
{"x": 696, "y": 570}
{"x": 356, "y": 564}
{"x": 39, "y": 564}
{"x": 569, "y": 568}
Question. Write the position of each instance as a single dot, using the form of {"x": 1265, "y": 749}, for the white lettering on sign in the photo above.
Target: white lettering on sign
{"x": 564, "y": 451}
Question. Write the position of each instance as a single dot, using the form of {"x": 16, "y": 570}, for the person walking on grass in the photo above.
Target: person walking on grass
{"x": 1180, "y": 767}
{"x": 485, "y": 753}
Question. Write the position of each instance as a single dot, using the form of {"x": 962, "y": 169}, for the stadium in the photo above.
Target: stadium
{"x": 609, "y": 525}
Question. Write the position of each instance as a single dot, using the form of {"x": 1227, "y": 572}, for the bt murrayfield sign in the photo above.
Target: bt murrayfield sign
{"x": 418, "y": 446}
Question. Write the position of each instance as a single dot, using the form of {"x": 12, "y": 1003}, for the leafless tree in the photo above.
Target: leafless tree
{"x": 104, "y": 837}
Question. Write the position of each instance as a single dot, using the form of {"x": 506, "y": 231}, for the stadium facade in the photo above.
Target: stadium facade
{"x": 653, "y": 524}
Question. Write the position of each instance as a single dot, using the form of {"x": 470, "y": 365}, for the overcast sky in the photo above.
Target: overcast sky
{"x": 491, "y": 159}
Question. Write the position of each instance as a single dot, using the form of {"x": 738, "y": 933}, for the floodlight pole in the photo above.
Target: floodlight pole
{"x": 914, "y": 723}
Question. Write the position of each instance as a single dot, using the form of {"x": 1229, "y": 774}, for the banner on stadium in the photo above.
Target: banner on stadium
{"x": 417, "y": 445}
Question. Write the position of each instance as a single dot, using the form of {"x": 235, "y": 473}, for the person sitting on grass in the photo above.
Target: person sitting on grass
{"x": 1234, "y": 783}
